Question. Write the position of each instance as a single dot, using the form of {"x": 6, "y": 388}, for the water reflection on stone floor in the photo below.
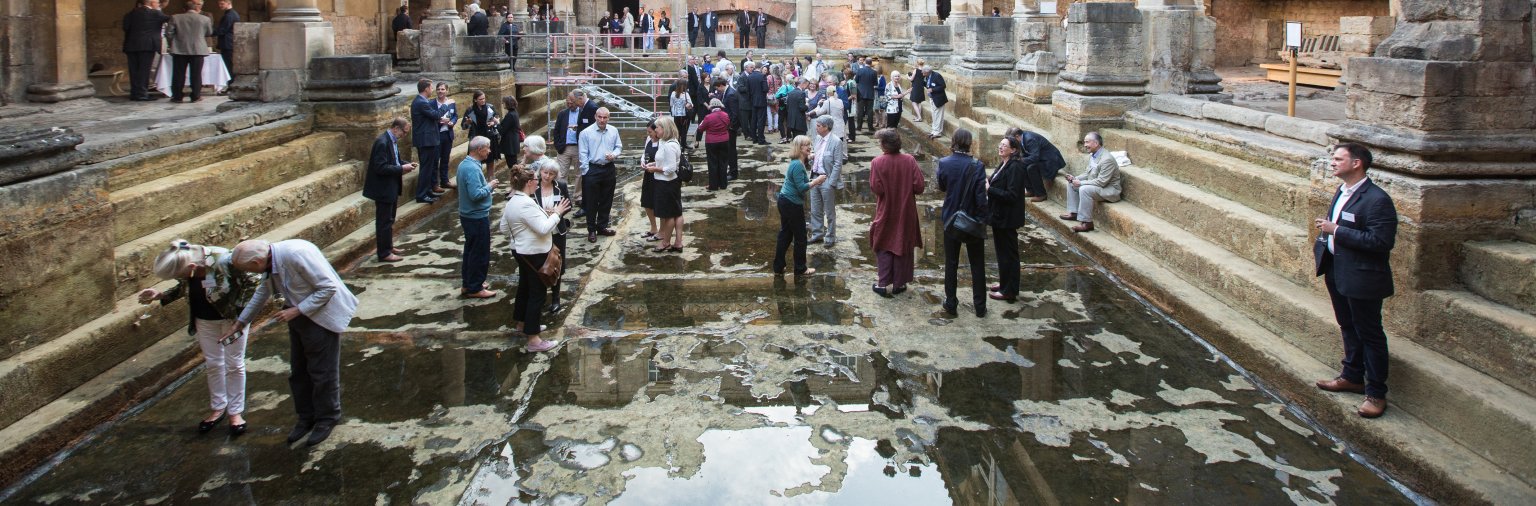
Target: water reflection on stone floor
{"x": 700, "y": 378}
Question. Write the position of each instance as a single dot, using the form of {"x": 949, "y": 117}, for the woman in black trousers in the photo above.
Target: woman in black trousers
{"x": 1005, "y": 197}
{"x": 551, "y": 192}
{"x": 717, "y": 143}
{"x": 964, "y": 182}
{"x": 511, "y": 132}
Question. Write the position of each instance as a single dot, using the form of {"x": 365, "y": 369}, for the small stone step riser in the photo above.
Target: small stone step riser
{"x": 1285, "y": 250}
{"x": 1488, "y": 337}
{"x": 136, "y": 169}
{"x": 146, "y": 208}
{"x": 1282, "y": 196}
{"x": 248, "y": 217}
{"x": 1504, "y": 272}
{"x": 1289, "y": 163}
{"x": 1033, "y": 116}
{"x": 1309, "y": 325}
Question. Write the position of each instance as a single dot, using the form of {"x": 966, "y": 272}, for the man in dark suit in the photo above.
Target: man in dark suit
{"x": 141, "y": 41}
{"x": 693, "y": 28}
{"x": 710, "y": 23}
{"x": 743, "y": 29}
{"x": 934, "y": 83}
{"x": 426, "y": 119}
{"x": 383, "y": 185}
{"x": 225, "y": 33}
{"x": 864, "y": 76}
{"x": 1041, "y": 162}
{"x": 647, "y": 26}
{"x": 511, "y": 33}
{"x": 757, "y": 94}
{"x": 729, "y": 97}
{"x": 401, "y": 22}
{"x": 579, "y": 114}
{"x": 762, "y": 28}
{"x": 1352, "y": 254}
{"x": 478, "y": 23}
{"x": 794, "y": 107}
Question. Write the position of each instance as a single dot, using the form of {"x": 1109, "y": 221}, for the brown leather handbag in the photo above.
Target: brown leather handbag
{"x": 549, "y": 273}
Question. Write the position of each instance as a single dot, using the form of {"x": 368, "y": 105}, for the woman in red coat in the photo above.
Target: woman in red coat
{"x": 717, "y": 143}
{"x": 896, "y": 181}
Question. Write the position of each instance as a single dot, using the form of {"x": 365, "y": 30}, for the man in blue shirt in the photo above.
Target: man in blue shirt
{"x": 474, "y": 216}
{"x": 579, "y": 115}
{"x": 600, "y": 147}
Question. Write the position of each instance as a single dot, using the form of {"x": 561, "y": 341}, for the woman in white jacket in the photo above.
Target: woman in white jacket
{"x": 832, "y": 106}
{"x": 532, "y": 229}
{"x": 668, "y": 189}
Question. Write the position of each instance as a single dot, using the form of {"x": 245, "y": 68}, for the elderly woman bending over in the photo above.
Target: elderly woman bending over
{"x": 216, "y": 293}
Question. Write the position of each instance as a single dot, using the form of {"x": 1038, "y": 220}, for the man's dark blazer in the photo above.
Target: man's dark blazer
{"x": 865, "y": 77}
{"x": 1361, "y": 247}
{"x": 402, "y": 22}
{"x": 935, "y": 85}
{"x": 732, "y": 107}
{"x": 794, "y": 108}
{"x": 424, "y": 116}
{"x": 743, "y": 22}
{"x": 693, "y": 22}
{"x": 226, "y": 32}
{"x": 757, "y": 89}
{"x": 383, "y": 181}
{"x": 1005, "y": 197}
{"x": 647, "y": 24}
{"x": 141, "y": 29}
{"x": 479, "y": 24}
{"x": 1041, "y": 154}
{"x": 586, "y": 118}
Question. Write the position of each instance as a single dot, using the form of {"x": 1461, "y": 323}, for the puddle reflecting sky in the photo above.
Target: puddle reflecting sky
{"x": 700, "y": 378}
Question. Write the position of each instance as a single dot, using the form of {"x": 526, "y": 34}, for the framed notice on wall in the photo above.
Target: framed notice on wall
{"x": 1293, "y": 34}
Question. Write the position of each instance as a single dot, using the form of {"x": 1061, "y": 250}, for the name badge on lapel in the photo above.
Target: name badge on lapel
{"x": 1347, "y": 216}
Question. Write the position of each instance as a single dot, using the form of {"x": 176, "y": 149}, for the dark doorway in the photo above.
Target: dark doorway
{"x": 619, "y": 5}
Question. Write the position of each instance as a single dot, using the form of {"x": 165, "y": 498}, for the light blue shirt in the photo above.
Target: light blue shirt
{"x": 394, "y": 144}
{"x": 573, "y": 118}
{"x": 596, "y": 144}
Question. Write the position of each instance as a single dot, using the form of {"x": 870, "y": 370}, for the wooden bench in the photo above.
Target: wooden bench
{"x": 109, "y": 83}
{"x": 1281, "y": 72}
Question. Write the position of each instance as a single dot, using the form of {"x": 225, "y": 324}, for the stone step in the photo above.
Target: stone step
{"x": 1286, "y": 155}
{"x": 150, "y": 206}
{"x": 1421, "y": 453}
{"x": 1278, "y": 245}
{"x": 1485, "y": 334}
{"x": 1481, "y": 412}
{"x": 52, "y": 413}
{"x": 1502, "y": 271}
{"x": 231, "y": 223}
{"x": 1038, "y": 116}
{"x": 196, "y": 146}
{"x": 1285, "y": 196}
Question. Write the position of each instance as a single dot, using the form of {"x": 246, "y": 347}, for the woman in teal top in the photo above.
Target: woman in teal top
{"x": 792, "y": 207}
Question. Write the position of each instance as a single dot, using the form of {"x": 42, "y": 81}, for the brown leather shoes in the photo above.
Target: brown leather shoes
{"x": 482, "y": 294}
{"x": 1068, "y": 216}
{"x": 1372, "y": 407}
{"x": 1086, "y": 226}
{"x": 1341, "y": 385}
{"x": 391, "y": 258}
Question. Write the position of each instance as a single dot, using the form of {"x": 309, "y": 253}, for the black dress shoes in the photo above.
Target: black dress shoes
{"x": 207, "y": 425}
{"x": 235, "y": 430}
{"x": 950, "y": 308}
{"x": 321, "y": 432}
{"x": 554, "y": 308}
{"x": 299, "y": 430}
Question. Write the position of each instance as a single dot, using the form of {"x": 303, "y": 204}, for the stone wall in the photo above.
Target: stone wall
{"x": 1242, "y": 37}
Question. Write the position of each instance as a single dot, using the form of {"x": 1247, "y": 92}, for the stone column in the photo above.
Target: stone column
{"x": 1040, "y": 50}
{"x": 932, "y": 43}
{"x": 898, "y": 28}
{"x": 1106, "y": 66}
{"x": 60, "y": 63}
{"x": 438, "y": 34}
{"x": 295, "y": 35}
{"x": 1181, "y": 48}
{"x": 805, "y": 36}
{"x": 355, "y": 95}
{"x": 924, "y": 12}
{"x": 986, "y": 64}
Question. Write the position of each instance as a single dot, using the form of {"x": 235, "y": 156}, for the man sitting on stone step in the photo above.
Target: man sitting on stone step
{"x": 1099, "y": 182}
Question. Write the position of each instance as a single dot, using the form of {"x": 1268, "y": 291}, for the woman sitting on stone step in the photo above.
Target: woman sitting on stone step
{"x": 216, "y": 293}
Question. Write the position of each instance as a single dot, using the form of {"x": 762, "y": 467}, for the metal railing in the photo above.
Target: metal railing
{"x": 619, "y": 77}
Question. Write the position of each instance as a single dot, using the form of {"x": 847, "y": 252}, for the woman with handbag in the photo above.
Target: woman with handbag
{"x": 552, "y": 191}
{"x": 896, "y": 181}
{"x": 481, "y": 121}
{"x": 893, "y": 93}
{"x": 648, "y": 180}
{"x": 963, "y": 181}
{"x": 1005, "y": 197}
{"x": 511, "y": 130}
{"x": 532, "y": 230}
{"x": 668, "y": 190}
{"x": 681, "y": 105}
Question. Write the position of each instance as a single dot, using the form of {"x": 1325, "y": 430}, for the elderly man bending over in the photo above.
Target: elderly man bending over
{"x": 317, "y": 307}
{"x": 1101, "y": 181}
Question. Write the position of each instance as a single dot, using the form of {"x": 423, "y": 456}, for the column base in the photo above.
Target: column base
{"x": 438, "y": 36}
{"x": 805, "y": 45}
{"x": 52, "y": 93}
{"x": 1093, "y": 111}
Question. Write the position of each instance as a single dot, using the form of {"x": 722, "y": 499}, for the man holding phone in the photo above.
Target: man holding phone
{"x": 384, "y": 184}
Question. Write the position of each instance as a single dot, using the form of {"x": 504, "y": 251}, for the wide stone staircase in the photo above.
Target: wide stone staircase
{"x": 1214, "y": 228}
{"x": 253, "y": 172}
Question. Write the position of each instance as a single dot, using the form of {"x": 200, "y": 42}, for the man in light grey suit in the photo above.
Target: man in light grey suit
{"x": 828, "y": 154}
{"x": 318, "y": 308}
{"x": 189, "y": 32}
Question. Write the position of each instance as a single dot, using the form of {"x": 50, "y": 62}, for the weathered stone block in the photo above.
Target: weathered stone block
{"x": 1367, "y": 25}
{"x": 247, "y": 55}
{"x": 931, "y": 35}
{"x": 408, "y": 45}
{"x": 1174, "y": 104}
{"x": 357, "y": 77}
{"x": 1486, "y": 10}
{"x": 479, "y": 54}
{"x": 1305, "y": 130}
{"x": 1104, "y": 12}
{"x": 1235, "y": 115}
{"x": 1418, "y": 78}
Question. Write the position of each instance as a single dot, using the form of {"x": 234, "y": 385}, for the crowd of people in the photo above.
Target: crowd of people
{"x": 149, "y": 33}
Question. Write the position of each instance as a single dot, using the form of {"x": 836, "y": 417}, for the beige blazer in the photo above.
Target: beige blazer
{"x": 189, "y": 32}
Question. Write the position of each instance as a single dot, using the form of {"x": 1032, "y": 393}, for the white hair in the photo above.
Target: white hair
{"x": 825, "y": 121}
{"x": 254, "y": 250}
{"x": 548, "y": 164}
{"x": 169, "y": 263}
{"x": 534, "y": 143}
{"x": 478, "y": 143}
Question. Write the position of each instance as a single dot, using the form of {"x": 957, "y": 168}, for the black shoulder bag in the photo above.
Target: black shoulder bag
{"x": 961, "y": 225}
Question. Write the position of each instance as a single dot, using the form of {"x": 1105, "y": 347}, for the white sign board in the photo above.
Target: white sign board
{"x": 1292, "y": 34}
{"x": 1048, "y": 8}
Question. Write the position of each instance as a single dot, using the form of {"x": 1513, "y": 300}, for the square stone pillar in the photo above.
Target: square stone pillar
{"x": 1181, "y": 49}
{"x": 986, "y": 64}
{"x": 438, "y": 34}
{"x": 1041, "y": 44}
{"x": 479, "y": 63}
{"x": 408, "y": 51}
{"x": 1106, "y": 73}
{"x": 805, "y": 35}
{"x": 355, "y": 95}
{"x": 246, "y": 83}
{"x": 296, "y": 34}
{"x": 931, "y": 43}
{"x": 59, "y": 64}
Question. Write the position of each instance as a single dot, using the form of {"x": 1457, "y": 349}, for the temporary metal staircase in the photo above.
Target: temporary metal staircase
{"x": 616, "y": 77}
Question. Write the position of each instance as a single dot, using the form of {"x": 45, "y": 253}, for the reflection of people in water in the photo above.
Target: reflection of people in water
{"x": 800, "y": 394}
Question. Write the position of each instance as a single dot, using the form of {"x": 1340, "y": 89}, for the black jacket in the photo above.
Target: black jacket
{"x": 865, "y": 77}
{"x": 732, "y": 107}
{"x": 1041, "y": 155}
{"x": 954, "y": 173}
{"x": 511, "y": 132}
{"x": 402, "y": 22}
{"x": 479, "y": 24}
{"x": 1362, "y": 245}
{"x": 226, "y": 32}
{"x": 383, "y": 180}
{"x": 141, "y": 29}
{"x": 935, "y": 85}
{"x": 1006, "y": 195}
{"x": 586, "y": 118}
{"x": 794, "y": 110}
{"x": 757, "y": 89}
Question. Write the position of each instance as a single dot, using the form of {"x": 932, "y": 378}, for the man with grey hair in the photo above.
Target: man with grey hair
{"x": 317, "y": 307}
{"x": 827, "y": 158}
{"x": 1099, "y": 181}
{"x": 579, "y": 114}
{"x": 475, "y": 216}
{"x": 600, "y": 147}
{"x": 383, "y": 184}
